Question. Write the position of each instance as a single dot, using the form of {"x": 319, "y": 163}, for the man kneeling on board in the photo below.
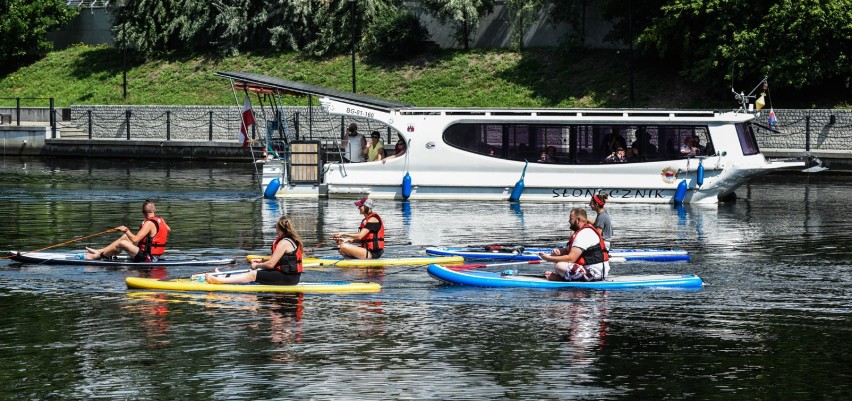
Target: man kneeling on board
{"x": 585, "y": 258}
{"x": 147, "y": 245}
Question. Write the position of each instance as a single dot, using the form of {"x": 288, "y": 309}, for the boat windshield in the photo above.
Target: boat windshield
{"x": 748, "y": 142}
{"x": 580, "y": 143}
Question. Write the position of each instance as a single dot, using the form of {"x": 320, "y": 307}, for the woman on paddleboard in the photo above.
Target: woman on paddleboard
{"x": 370, "y": 235}
{"x": 284, "y": 267}
{"x": 602, "y": 222}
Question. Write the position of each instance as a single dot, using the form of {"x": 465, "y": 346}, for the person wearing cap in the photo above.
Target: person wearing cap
{"x": 370, "y": 235}
{"x": 376, "y": 148}
{"x": 354, "y": 145}
{"x": 602, "y": 222}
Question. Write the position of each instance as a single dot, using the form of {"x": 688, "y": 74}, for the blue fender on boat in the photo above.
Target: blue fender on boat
{"x": 681, "y": 192}
{"x": 406, "y": 186}
{"x": 519, "y": 186}
{"x": 700, "y": 175}
{"x": 272, "y": 188}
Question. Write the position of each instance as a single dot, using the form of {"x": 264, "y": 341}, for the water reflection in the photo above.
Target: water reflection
{"x": 82, "y": 331}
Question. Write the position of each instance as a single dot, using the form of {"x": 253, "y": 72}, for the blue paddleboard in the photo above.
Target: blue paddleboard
{"x": 648, "y": 255}
{"x": 479, "y": 278}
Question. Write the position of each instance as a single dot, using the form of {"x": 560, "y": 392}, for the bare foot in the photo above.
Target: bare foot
{"x": 551, "y": 276}
{"x": 92, "y": 255}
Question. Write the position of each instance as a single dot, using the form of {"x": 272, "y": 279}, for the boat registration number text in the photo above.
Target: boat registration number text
{"x": 359, "y": 112}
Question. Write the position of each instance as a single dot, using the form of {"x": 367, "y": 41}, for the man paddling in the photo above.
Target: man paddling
{"x": 585, "y": 258}
{"x": 147, "y": 245}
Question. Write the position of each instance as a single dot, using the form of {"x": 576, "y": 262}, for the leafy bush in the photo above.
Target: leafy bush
{"x": 396, "y": 34}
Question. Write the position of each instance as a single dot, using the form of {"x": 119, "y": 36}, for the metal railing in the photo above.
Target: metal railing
{"x": 6, "y": 118}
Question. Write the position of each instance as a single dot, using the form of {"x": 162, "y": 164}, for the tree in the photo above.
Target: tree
{"x": 24, "y": 26}
{"x": 795, "y": 43}
{"x": 522, "y": 14}
{"x": 463, "y": 15}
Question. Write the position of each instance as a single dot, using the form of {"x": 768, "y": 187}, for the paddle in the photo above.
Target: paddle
{"x": 481, "y": 265}
{"x": 62, "y": 243}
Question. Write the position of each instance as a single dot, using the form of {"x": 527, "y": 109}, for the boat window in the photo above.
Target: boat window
{"x": 748, "y": 143}
{"x": 579, "y": 143}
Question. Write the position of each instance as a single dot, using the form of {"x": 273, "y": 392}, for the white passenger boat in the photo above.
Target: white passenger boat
{"x": 548, "y": 155}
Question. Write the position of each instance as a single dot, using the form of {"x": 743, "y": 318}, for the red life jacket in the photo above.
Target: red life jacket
{"x": 594, "y": 254}
{"x": 290, "y": 262}
{"x": 155, "y": 245}
{"x": 374, "y": 241}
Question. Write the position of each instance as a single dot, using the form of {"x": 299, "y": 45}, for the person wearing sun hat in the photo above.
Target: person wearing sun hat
{"x": 370, "y": 235}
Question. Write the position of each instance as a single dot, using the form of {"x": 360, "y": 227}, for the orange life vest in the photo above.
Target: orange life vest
{"x": 155, "y": 245}
{"x": 374, "y": 241}
{"x": 594, "y": 254}
{"x": 290, "y": 262}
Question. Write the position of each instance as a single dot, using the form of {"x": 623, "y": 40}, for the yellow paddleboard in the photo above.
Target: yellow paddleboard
{"x": 183, "y": 284}
{"x": 339, "y": 262}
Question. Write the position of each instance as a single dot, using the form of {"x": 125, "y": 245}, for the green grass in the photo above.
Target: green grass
{"x": 449, "y": 78}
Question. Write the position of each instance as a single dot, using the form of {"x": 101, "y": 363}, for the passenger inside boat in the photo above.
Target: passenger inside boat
{"x": 548, "y": 155}
{"x": 642, "y": 148}
{"x": 398, "y": 149}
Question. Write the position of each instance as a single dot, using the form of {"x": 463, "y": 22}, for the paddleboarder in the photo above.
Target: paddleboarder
{"x": 147, "y": 245}
{"x": 602, "y": 222}
{"x": 284, "y": 267}
{"x": 371, "y": 234}
{"x": 585, "y": 258}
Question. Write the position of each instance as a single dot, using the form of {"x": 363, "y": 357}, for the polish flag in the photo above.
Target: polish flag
{"x": 247, "y": 120}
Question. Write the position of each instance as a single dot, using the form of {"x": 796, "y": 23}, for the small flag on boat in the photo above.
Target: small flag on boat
{"x": 247, "y": 120}
{"x": 772, "y": 119}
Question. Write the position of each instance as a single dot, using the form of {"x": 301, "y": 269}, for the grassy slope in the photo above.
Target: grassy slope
{"x": 535, "y": 78}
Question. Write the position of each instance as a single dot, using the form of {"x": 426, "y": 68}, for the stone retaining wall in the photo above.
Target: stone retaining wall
{"x": 828, "y": 129}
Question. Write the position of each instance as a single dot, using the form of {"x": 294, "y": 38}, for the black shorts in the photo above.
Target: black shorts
{"x": 375, "y": 254}
{"x": 275, "y": 277}
{"x": 140, "y": 257}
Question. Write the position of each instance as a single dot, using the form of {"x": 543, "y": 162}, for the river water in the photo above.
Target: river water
{"x": 772, "y": 322}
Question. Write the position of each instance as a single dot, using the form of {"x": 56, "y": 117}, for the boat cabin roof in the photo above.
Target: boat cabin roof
{"x": 265, "y": 84}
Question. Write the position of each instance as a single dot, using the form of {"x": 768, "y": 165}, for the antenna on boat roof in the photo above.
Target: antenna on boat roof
{"x": 744, "y": 100}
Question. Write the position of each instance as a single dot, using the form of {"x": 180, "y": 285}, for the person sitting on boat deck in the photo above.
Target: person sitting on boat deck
{"x": 602, "y": 222}
{"x": 584, "y": 259}
{"x": 147, "y": 245}
{"x": 371, "y": 234}
{"x": 353, "y": 145}
{"x": 398, "y": 150}
{"x": 375, "y": 150}
{"x": 284, "y": 267}
{"x": 619, "y": 156}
